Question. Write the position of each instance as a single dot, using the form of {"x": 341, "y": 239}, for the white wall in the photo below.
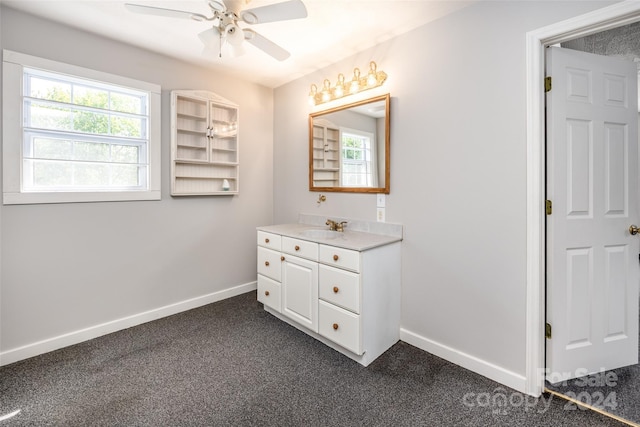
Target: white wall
{"x": 1, "y": 209}
{"x": 72, "y": 266}
{"x": 458, "y": 176}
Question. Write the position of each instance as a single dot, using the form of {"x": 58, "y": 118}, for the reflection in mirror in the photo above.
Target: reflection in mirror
{"x": 349, "y": 147}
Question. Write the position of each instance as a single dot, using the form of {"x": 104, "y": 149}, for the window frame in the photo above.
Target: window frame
{"x": 370, "y": 170}
{"x": 14, "y": 64}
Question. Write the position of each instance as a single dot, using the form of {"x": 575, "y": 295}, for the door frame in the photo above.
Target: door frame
{"x": 613, "y": 16}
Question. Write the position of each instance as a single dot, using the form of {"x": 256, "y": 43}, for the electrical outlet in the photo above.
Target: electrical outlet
{"x": 380, "y": 202}
{"x": 380, "y": 215}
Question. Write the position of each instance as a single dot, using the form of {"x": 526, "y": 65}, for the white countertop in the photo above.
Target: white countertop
{"x": 349, "y": 239}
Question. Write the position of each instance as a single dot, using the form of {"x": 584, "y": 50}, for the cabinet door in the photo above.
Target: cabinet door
{"x": 300, "y": 291}
{"x": 190, "y": 127}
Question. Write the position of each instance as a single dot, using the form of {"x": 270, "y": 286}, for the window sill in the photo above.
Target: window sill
{"x": 78, "y": 197}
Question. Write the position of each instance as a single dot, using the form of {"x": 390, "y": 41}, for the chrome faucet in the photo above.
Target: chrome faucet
{"x": 336, "y": 226}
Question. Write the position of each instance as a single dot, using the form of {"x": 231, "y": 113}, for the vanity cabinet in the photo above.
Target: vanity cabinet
{"x": 349, "y": 299}
{"x": 204, "y": 144}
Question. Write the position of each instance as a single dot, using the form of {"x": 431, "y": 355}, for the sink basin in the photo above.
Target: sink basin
{"x": 320, "y": 234}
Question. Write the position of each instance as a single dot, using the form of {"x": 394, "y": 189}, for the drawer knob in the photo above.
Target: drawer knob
{"x": 266, "y": 293}
{"x": 335, "y": 257}
{"x": 335, "y": 326}
{"x": 266, "y": 240}
{"x": 297, "y": 248}
{"x": 281, "y": 258}
{"x": 335, "y": 289}
{"x": 266, "y": 263}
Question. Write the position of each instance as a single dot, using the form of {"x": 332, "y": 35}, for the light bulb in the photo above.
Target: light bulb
{"x": 312, "y": 95}
{"x": 339, "y": 90}
{"x": 326, "y": 95}
{"x": 372, "y": 77}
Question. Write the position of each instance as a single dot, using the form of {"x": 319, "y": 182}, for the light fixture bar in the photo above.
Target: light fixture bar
{"x": 358, "y": 83}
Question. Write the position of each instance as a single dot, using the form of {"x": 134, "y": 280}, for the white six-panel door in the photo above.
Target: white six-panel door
{"x": 592, "y": 182}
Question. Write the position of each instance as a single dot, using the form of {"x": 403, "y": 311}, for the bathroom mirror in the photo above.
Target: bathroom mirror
{"x": 349, "y": 147}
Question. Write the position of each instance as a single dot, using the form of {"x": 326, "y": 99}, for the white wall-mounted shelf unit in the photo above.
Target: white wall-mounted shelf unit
{"x": 204, "y": 144}
{"x": 326, "y": 154}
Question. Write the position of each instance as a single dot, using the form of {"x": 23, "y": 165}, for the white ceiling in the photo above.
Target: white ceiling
{"x": 334, "y": 29}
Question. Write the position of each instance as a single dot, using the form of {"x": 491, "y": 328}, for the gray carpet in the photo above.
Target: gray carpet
{"x": 232, "y": 364}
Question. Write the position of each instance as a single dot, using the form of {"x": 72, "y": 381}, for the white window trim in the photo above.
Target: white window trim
{"x": 372, "y": 153}
{"x": 12, "y": 83}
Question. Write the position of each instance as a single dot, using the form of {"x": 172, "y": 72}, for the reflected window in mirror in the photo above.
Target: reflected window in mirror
{"x": 358, "y": 165}
{"x": 349, "y": 147}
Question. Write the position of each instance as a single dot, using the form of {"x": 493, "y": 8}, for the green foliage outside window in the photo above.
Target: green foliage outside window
{"x": 101, "y": 118}
{"x": 352, "y": 148}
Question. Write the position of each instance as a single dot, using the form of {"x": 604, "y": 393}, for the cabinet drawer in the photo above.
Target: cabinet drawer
{"x": 340, "y": 326}
{"x": 269, "y": 292}
{"x": 339, "y": 257}
{"x": 340, "y": 287}
{"x": 269, "y": 263}
{"x": 269, "y": 240}
{"x": 301, "y": 248}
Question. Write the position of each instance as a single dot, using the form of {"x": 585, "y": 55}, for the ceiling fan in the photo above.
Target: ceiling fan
{"x": 225, "y": 30}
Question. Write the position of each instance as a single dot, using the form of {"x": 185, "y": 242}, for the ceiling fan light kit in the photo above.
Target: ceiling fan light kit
{"x": 225, "y": 29}
{"x": 358, "y": 83}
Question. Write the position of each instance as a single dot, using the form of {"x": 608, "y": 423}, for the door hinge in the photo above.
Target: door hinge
{"x": 549, "y": 207}
{"x": 547, "y": 330}
{"x": 547, "y": 84}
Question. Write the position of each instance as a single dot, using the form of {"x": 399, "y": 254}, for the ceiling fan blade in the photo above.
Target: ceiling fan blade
{"x": 217, "y": 5}
{"x": 292, "y": 9}
{"x": 158, "y": 11}
{"x": 266, "y": 45}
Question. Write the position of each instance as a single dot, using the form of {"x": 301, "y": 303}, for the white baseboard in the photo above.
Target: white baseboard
{"x": 71, "y": 338}
{"x": 472, "y": 363}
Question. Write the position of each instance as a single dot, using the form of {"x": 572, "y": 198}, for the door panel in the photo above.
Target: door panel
{"x": 592, "y": 173}
{"x": 579, "y": 167}
{"x": 615, "y": 152}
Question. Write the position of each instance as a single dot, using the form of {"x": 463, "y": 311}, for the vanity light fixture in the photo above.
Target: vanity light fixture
{"x": 358, "y": 83}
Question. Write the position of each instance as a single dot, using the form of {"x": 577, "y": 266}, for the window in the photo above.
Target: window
{"x": 358, "y": 164}
{"x": 78, "y": 135}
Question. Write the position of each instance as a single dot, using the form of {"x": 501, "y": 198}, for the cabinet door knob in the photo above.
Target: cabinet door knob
{"x": 266, "y": 240}
{"x": 266, "y": 263}
{"x": 335, "y": 257}
{"x": 281, "y": 258}
{"x": 335, "y": 289}
{"x": 335, "y": 326}
{"x": 266, "y": 293}
{"x": 297, "y": 248}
